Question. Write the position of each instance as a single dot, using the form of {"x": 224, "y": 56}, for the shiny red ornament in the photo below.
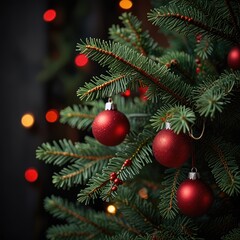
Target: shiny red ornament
{"x": 234, "y": 58}
{"x": 170, "y": 149}
{"x": 110, "y": 127}
{"x": 194, "y": 197}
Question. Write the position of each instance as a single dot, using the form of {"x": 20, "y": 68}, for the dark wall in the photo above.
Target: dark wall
{"x": 22, "y": 48}
{"x": 25, "y": 43}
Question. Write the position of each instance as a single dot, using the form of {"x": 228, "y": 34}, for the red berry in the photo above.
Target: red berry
{"x": 198, "y": 70}
{"x": 118, "y": 181}
{"x": 127, "y": 162}
{"x": 114, "y": 188}
{"x": 197, "y": 60}
{"x": 199, "y": 38}
{"x": 113, "y": 175}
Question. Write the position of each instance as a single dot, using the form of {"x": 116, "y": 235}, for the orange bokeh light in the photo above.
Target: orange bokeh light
{"x": 81, "y": 60}
{"x": 27, "y": 120}
{"x": 31, "y": 175}
{"x": 49, "y": 15}
{"x": 125, "y": 4}
{"x": 51, "y": 115}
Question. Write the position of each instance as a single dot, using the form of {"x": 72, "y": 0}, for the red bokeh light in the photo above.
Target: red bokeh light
{"x": 49, "y": 15}
{"x": 31, "y": 175}
{"x": 127, "y": 93}
{"x": 81, "y": 60}
{"x": 52, "y": 115}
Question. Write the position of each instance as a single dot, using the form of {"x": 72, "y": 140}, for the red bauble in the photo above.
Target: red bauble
{"x": 194, "y": 197}
{"x": 110, "y": 127}
{"x": 234, "y": 58}
{"x": 171, "y": 149}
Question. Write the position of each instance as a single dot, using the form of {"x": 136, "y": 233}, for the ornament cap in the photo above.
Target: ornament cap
{"x": 110, "y": 105}
{"x": 167, "y": 125}
{"x": 193, "y": 175}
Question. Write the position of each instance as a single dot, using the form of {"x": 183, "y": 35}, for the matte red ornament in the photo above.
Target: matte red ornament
{"x": 194, "y": 197}
{"x": 110, "y": 127}
{"x": 170, "y": 149}
{"x": 234, "y": 58}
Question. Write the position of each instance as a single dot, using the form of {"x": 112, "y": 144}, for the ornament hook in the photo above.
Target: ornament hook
{"x": 200, "y": 136}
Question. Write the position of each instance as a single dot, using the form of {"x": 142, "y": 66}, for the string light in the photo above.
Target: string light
{"x": 27, "y": 120}
{"x": 31, "y": 175}
{"x": 51, "y": 115}
{"x": 81, "y": 60}
{"x": 49, "y": 15}
{"x": 125, "y": 4}
{"x": 111, "y": 209}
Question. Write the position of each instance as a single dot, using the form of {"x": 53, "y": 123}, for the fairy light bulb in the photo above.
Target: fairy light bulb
{"x": 49, "y": 15}
{"x": 27, "y": 120}
{"x": 31, "y": 175}
{"x": 51, "y": 115}
{"x": 125, "y": 4}
{"x": 111, "y": 209}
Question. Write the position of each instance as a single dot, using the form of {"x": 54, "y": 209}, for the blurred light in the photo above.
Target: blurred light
{"x": 27, "y": 120}
{"x": 81, "y": 60}
{"x": 125, "y": 4}
{"x": 51, "y": 115}
{"x": 111, "y": 209}
{"x": 31, "y": 175}
{"x": 143, "y": 193}
{"x": 49, "y": 15}
{"x": 127, "y": 93}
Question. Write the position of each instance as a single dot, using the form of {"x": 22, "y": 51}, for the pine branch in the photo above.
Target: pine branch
{"x": 191, "y": 21}
{"x": 133, "y": 35}
{"x": 125, "y": 60}
{"x": 137, "y": 150}
{"x": 139, "y": 213}
{"x": 223, "y": 164}
{"x": 232, "y": 235}
{"x": 233, "y": 17}
{"x": 204, "y": 48}
{"x": 213, "y": 95}
{"x": 88, "y": 219}
{"x": 66, "y": 232}
{"x": 168, "y": 206}
{"x": 80, "y": 116}
{"x": 179, "y": 117}
{"x": 105, "y": 86}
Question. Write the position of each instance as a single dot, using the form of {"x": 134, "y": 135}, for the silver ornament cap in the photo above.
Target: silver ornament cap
{"x": 110, "y": 105}
{"x": 194, "y": 174}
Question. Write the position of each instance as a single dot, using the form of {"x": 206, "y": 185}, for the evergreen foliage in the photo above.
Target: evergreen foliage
{"x": 202, "y": 104}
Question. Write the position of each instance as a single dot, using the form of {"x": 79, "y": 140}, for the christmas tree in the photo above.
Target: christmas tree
{"x": 167, "y": 156}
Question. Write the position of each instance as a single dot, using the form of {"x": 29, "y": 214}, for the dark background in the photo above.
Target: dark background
{"x": 30, "y": 82}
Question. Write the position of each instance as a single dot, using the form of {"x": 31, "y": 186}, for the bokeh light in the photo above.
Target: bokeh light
{"x": 81, "y": 60}
{"x": 27, "y": 120}
{"x": 52, "y": 115}
{"x": 125, "y": 4}
{"x": 49, "y": 15}
{"x": 31, "y": 175}
{"x": 111, "y": 209}
{"x": 127, "y": 93}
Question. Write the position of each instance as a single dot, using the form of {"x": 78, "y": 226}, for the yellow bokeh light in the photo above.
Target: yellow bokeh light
{"x": 27, "y": 120}
{"x": 125, "y": 4}
{"x": 111, "y": 209}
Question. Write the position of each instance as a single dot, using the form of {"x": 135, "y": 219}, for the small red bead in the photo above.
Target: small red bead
{"x": 198, "y": 70}
{"x": 127, "y": 162}
{"x": 118, "y": 181}
{"x": 199, "y": 38}
{"x": 114, "y": 188}
{"x": 113, "y": 175}
{"x": 198, "y": 61}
